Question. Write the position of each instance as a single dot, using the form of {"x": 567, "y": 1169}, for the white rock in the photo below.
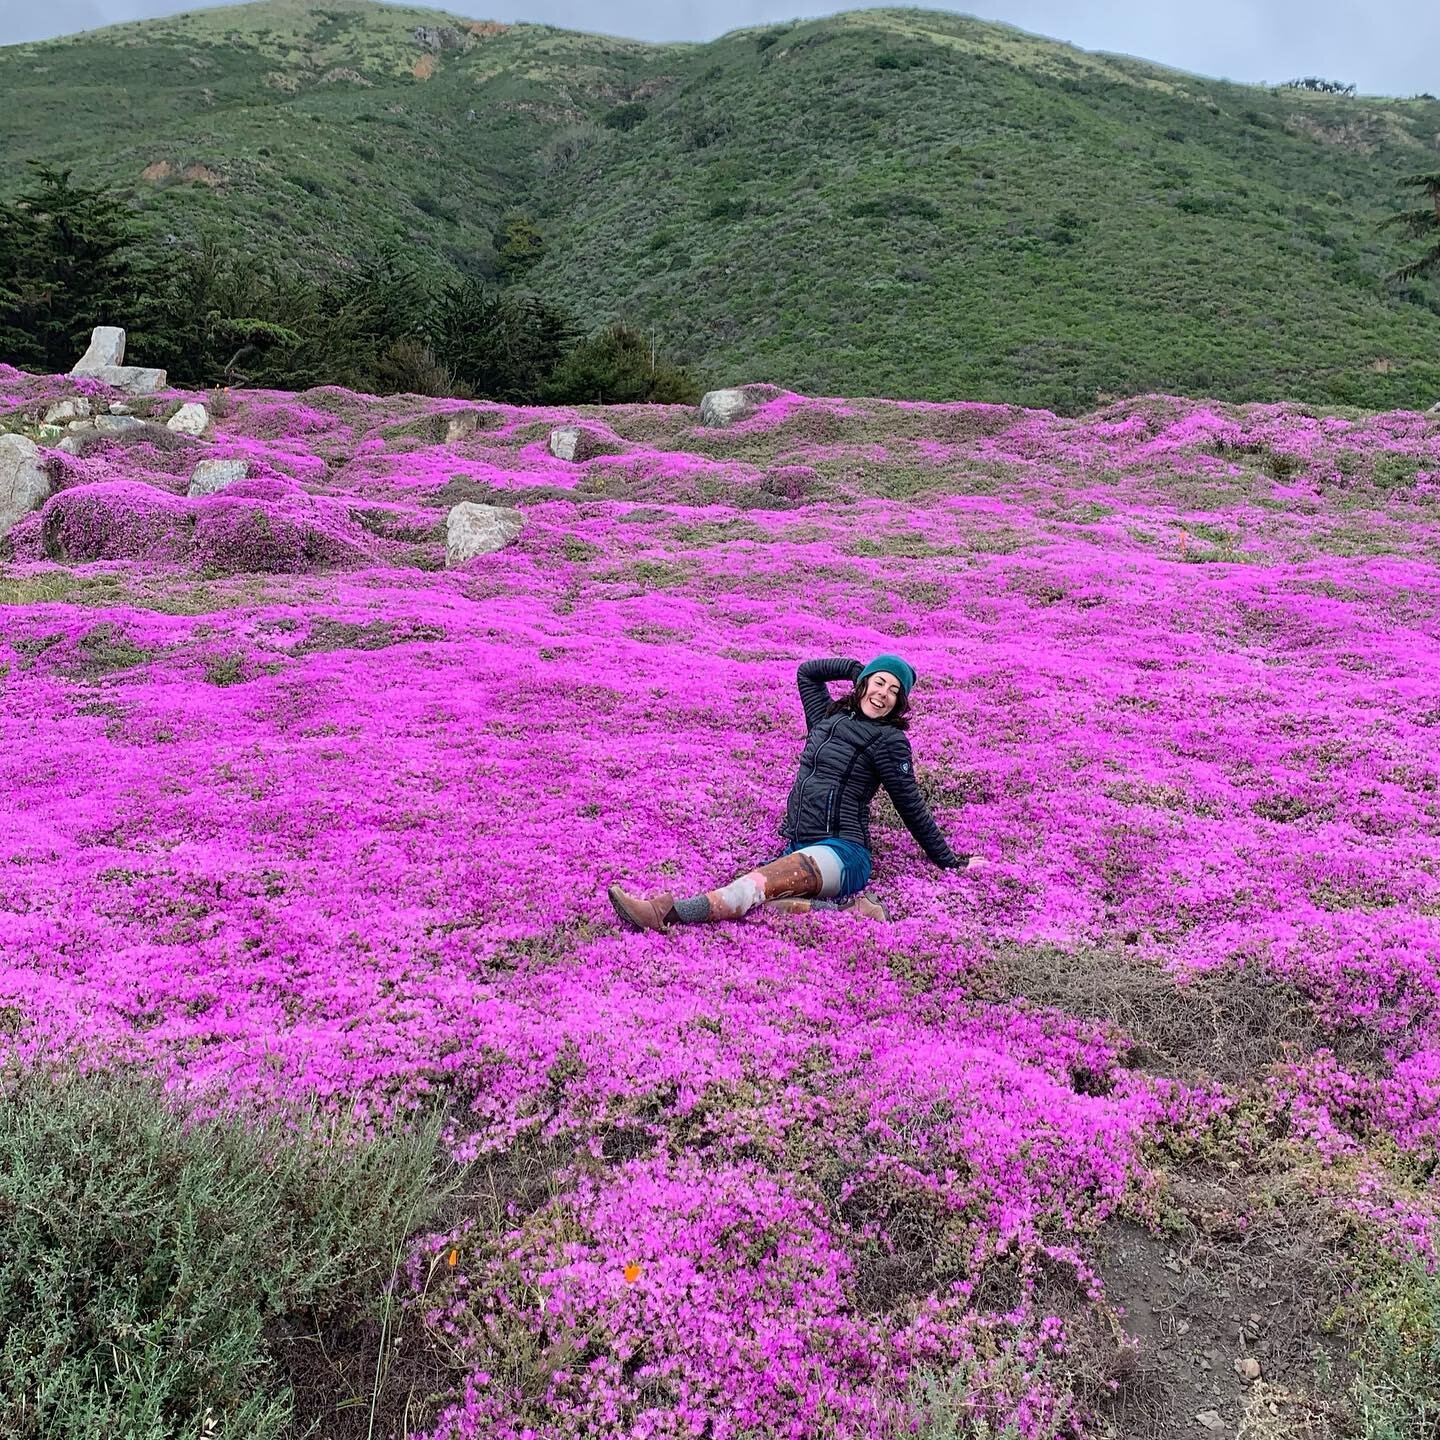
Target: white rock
{"x": 115, "y": 424}
{"x": 725, "y": 407}
{"x": 575, "y": 443}
{"x": 212, "y": 475}
{"x": 1434, "y": 409}
{"x": 1210, "y": 1420}
{"x": 107, "y": 348}
{"x": 190, "y": 419}
{"x": 67, "y": 410}
{"x": 472, "y": 529}
{"x": 118, "y": 407}
{"x": 24, "y": 485}
{"x": 1247, "y": 1367}
{"x": 134, "y": 378}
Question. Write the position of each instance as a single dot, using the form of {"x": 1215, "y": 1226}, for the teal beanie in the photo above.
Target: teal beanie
{"x": 891, "y": 665}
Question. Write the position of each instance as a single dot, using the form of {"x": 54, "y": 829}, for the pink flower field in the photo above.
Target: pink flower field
{"x": 296, "y": 817}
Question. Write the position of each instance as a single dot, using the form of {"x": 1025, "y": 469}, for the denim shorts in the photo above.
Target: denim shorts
{"x": 855, "y": 863}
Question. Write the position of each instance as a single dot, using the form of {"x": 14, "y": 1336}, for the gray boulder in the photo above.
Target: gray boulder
{"x": 81, "y": 432}
{"x": 107, "y": 349}
{"x": 1434, "y": 409}
{"x": 133, "y": 378}
{"x": 461, "y": 425}
{"x": 191, "y": 418}
{"x": 575, "y": 443}
{"x": 24, "y": 483}
{"x": 726, "y": 407}
{"x": 472, "y": 530}
{"x": 212, "y": 475}
{"x": 64, "y": 411}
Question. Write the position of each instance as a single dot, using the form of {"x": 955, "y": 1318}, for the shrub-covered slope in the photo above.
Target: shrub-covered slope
{"x": 335, "y": 830}
{"x": 898, "y": 202}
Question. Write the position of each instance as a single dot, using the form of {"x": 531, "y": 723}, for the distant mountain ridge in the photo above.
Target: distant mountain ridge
{"x": 884, "y": 202}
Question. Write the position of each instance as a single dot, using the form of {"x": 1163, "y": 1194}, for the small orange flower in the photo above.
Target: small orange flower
{"x": 632, "y": 1273}
{"x": 453, "y": 1258}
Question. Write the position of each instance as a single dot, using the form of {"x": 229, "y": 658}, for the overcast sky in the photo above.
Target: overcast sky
{"x": 1387, "y": 47}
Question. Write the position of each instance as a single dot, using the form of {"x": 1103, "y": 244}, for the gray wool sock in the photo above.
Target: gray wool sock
{"x": 692, "y": 911}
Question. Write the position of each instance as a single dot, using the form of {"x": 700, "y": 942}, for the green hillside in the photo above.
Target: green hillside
{"x": 883, "y": 202}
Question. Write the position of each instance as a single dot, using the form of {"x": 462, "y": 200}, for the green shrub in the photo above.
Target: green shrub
{"x": 146, "y": 1257}
{"x": 519, "y": 246}
{"x": 894, "y": 205}
{"x": 1397, "y": 1387}
{"x": 619, "y": 366}
{"x": 625, "y": 117}
{"x": 959, "y": 1404}
{"x": 224, "y": 669}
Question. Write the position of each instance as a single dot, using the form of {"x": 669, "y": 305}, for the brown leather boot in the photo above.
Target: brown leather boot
{"x": 793, "y": 907}
{"x": 866, "y": 906}
{"x": 642, "y": 914}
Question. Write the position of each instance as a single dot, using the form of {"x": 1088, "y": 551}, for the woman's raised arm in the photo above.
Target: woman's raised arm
{"x": 813, "y": 678}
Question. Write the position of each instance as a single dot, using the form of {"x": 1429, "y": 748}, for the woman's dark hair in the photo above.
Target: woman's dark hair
{"x": 899, "y": 715}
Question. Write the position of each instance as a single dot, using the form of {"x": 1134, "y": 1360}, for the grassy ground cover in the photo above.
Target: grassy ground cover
{"x": 299, "y": 831}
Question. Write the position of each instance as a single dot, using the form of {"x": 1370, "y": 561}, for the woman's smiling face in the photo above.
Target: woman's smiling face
{"x": 879, "y": 696}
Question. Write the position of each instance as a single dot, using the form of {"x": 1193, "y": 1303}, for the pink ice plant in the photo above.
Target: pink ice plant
{"x": 296, "y": 815}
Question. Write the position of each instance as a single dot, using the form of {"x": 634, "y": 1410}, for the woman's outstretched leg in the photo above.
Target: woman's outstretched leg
{"x": 795, "y": 875}
{"x": 862, "y": 904}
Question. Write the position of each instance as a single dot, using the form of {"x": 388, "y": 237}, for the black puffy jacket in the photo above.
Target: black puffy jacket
{"x": 847, "y": 758}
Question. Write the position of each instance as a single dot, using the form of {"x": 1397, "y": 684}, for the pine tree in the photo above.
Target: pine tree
{"x": 503, "y": 346}
{"x": 71, "y": 261}
{"x": 1421, "y": 223}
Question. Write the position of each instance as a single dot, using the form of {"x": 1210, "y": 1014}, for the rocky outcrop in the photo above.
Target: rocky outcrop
{"x": 104, "y": 360}
{"x": 439, "y": 37}
{"x": 24, "y": 481}
{"x": 472, "y": 530}
{"x": 64, "y": 411}
{"x": 212, "y": 475}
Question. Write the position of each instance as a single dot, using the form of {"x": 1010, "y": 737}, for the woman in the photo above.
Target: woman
{"x": 853, "y": 747}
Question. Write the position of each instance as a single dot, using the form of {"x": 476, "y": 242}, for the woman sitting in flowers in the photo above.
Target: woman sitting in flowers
{"x": 854, "y": 746}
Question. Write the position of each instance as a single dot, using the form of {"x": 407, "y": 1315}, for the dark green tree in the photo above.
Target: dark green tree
{"x": 519, "y": 246}
{"x": 502, "y": 345}
{"x": 1421, "y": 223}
{"x": 225, "y": 322}
{"x": 619, "y": 366}
{"x": 72, "y": 260}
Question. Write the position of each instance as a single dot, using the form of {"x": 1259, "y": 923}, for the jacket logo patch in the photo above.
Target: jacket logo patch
{"x": 904, "y": 767}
